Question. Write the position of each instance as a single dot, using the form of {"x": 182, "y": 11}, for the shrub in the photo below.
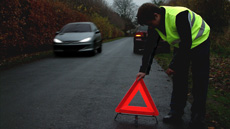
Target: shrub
{"x": 107, "y": 29}
{"x": 29, "y": 26}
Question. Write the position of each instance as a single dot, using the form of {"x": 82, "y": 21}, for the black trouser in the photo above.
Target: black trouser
{"x": 199, "y": 60}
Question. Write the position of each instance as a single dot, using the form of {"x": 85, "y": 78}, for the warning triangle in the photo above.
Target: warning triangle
{"x": 124, "y": 107}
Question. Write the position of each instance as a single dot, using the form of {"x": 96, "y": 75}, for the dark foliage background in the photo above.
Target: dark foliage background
{"x": 29, "y": 26}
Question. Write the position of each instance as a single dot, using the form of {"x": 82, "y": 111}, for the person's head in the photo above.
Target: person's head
{"x": 149, "y": 14}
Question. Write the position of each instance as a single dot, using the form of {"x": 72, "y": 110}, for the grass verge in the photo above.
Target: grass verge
{"x": 23, "y": 59}
{"x": 26, "y": 58}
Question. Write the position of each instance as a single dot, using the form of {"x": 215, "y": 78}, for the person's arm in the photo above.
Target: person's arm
{"x": 184, "y": 31}
{"x": 149, "y": 52}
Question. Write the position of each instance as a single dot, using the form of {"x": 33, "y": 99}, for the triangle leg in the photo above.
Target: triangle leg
{"x": 116, "y": 116}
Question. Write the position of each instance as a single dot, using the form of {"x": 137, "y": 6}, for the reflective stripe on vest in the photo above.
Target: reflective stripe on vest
{"x": 201, "y": 31}
{"x": 190, "y": 17}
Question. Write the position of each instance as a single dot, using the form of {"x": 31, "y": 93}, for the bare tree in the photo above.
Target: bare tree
{"x": 125, "y": 8}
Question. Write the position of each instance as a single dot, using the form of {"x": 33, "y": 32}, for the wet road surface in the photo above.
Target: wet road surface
{"x": 82, "y": 92}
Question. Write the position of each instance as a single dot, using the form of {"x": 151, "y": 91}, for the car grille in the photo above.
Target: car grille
{"x": 70, "y": 47}
{"x": 70, "y": 42}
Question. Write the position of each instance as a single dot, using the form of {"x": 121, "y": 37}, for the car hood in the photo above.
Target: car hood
{"x": 74, "y": 36}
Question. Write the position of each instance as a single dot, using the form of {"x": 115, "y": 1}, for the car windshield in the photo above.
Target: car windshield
{"x": 76, "y": 28}
{"x": 143, "y": 28}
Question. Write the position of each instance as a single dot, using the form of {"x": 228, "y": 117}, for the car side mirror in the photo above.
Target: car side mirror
{"x": 97, "y": 31}
{"x": 57, "y": 33}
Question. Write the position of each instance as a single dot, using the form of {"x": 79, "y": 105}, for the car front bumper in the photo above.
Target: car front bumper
{"x": 73, "y": 47}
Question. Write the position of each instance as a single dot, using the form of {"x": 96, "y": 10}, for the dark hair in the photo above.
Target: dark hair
{"x": 146, "y": 13}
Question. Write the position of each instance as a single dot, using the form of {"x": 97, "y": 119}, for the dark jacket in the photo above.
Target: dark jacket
{"x": 180, "y": 54}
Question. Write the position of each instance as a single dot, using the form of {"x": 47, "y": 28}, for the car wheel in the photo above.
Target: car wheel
{"x": 99, "y": 49}
{"x": 94, "y": 51}
{"x": 135, "y": 50}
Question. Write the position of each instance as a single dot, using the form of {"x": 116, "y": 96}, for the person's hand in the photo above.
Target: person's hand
{"x": 140, "y": 75}
{"x": 170, "y": 71}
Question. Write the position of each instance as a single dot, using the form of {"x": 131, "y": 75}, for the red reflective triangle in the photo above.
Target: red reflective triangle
{"x": 124, "y": 107}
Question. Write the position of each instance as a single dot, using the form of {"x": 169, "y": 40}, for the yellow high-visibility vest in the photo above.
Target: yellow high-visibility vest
{"x": 199, "y": 28}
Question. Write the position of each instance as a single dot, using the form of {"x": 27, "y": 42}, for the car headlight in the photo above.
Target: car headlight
{"x": 57, "y": 41}
{"x": 85, "y": 40}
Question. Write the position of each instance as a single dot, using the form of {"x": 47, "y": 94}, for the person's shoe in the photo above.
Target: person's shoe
{"x": 197, "y": 122}
{"x": 172, "y": 118}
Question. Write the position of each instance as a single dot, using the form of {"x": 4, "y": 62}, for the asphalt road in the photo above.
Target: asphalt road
{"x": 82, "y": 92}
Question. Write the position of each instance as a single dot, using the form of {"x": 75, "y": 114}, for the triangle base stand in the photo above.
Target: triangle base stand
{"x": 136, "y": 117}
